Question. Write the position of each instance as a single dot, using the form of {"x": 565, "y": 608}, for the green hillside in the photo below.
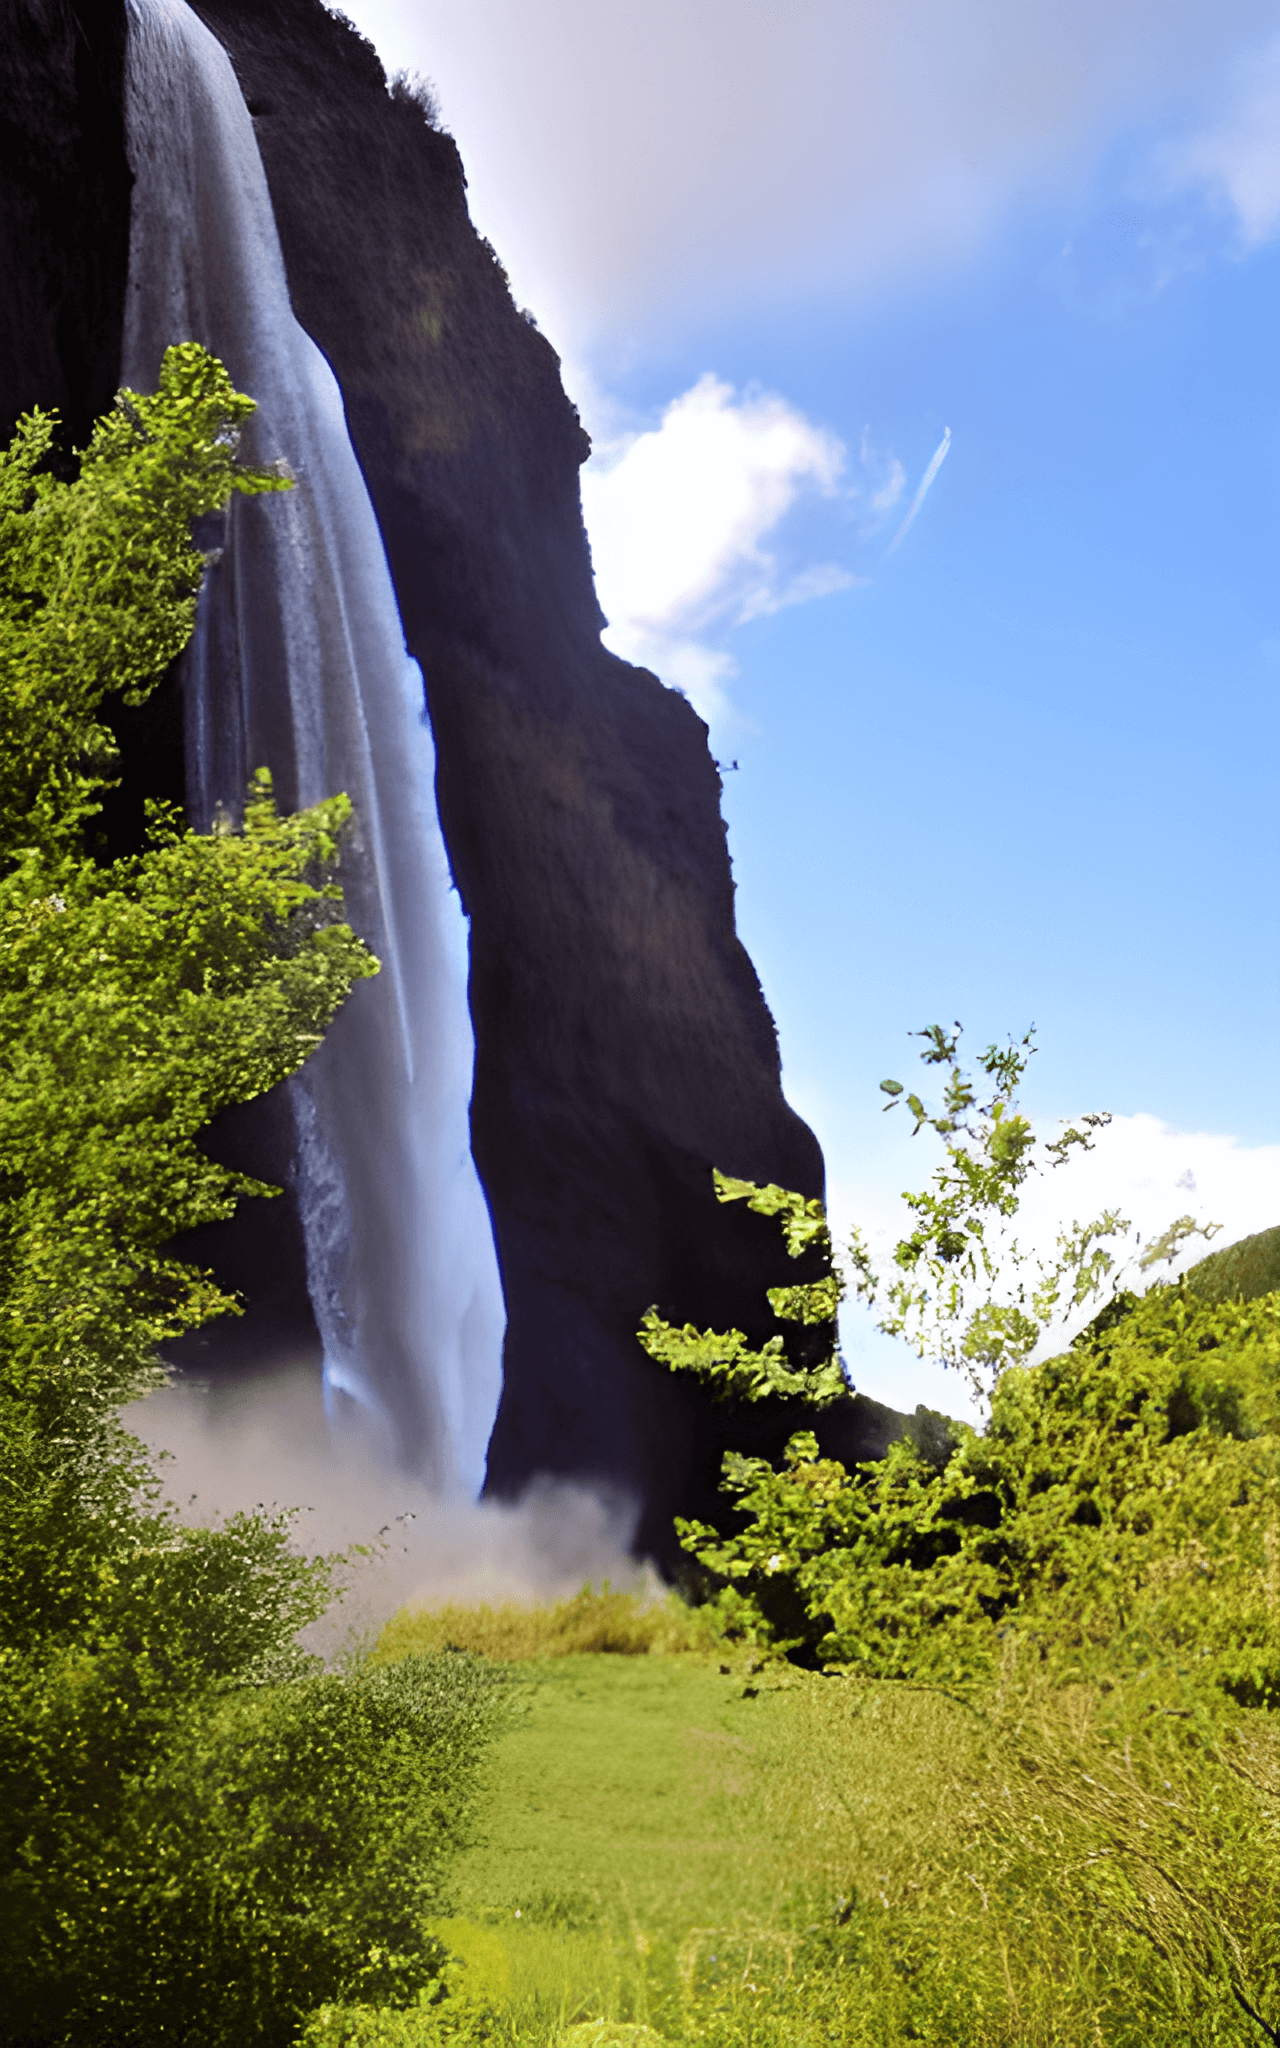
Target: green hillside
{"x": 1239, "y": 1272}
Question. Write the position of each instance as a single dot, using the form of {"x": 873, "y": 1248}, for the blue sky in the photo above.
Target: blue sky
{"x": 1022, "y": 764}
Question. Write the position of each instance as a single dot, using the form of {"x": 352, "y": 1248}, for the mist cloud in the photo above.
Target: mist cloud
{"x": 267, "y": 1442}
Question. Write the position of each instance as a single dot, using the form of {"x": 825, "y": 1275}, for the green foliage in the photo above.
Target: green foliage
{"x": 135, "y": 1001}
{"x": 732, "y": 1368}
{"x": 1124, "y": 1495}
{"x": 99, "y": 581}
{"x": 943, "y": 1290}
{"x": 450, "y": 2021}
{"x": 201, "y": 1836}
{"x": 279, "y": 1846}
{"x": 1240, "y": 1272}
{"x": 804, "y": 1221}
{"x": 725, "y": 1359}
{"x": 958, "y": 1286}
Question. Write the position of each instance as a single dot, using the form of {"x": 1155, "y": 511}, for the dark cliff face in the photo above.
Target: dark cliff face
{"x": 64, "y": 220}
{"x": 623, "y": 1044}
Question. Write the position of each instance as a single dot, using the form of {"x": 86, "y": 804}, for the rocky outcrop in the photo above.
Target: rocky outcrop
{"x": 623, "y": 1043}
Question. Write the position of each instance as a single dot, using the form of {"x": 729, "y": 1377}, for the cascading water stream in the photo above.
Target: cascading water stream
{"x": 299, "y": 665}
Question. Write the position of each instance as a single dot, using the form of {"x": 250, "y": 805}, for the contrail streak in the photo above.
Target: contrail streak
{"x": 939, "y": 457}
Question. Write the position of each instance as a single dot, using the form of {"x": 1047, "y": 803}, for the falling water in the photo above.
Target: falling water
{"x": 299, "y": 664}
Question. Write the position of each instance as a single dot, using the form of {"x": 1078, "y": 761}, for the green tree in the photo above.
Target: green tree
{"x": 1094, "y": 1576}
{"x": 203, "y": 1836}
{"x": 959, "y": 1286}
{"x": 99, "y": 581}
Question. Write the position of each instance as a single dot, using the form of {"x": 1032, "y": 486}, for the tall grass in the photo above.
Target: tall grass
{"x": 602, "y": 1621}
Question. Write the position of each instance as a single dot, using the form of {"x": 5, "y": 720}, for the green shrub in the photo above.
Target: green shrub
{"x": 449, "y": 2022}
{"x": 1124, "y": 1499}
{"x": 283, "y": 1846}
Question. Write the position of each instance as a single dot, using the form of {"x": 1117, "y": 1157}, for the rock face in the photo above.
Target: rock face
{"x": 623, "y": 1043}
{"x": 64, "y": 220}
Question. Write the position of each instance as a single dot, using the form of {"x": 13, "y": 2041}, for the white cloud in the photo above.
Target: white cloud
{"x": 626, "y": 159}
{"x": 1154, "y": 1173}
{"x": 1235, "y": 154}
{"x": 679, "y": 516}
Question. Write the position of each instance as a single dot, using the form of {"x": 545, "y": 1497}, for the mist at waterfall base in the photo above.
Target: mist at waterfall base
{"x": 299, "y": 664}
{"x": 270, "y": 1444}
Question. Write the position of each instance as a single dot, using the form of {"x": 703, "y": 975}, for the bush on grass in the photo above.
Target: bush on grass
{"x": 281, "y": 1846}
{"x": 1095, "y": 1578}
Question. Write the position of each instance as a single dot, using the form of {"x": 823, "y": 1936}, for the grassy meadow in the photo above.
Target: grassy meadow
{"x": 680, "y": 1842}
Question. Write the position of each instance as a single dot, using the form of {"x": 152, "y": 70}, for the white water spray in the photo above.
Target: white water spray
{"x": 299, "y": 664}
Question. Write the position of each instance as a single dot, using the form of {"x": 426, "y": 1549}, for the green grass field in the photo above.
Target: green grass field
{"x": 627, "y": 1839}
{"x": 685, "y": 1845}
{"x": 677, "y": 1843}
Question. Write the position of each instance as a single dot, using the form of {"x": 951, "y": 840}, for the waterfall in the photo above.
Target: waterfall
{"x": 299, "y": 664}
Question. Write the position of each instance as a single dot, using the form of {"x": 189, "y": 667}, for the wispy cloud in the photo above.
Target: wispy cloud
{"x": 1234, "y": 154}
{"x": 922, "y": 491}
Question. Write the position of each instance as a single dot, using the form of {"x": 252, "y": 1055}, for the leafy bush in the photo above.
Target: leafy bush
{"x": 272, "y": 1848}
{"x": 1125, "y": 1494}
{"x": 451, "y": 2022}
